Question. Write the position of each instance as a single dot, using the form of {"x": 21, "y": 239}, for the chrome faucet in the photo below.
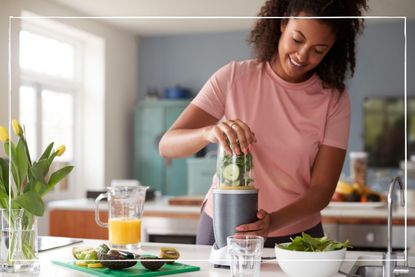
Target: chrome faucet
{"x": 390, "y": 268}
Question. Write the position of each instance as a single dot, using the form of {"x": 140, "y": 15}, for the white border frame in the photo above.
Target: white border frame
{"x": 246, "y": 17}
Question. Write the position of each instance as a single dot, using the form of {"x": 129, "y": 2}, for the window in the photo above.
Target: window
{"x": 61, "y": 98}
{"x": 48, "y": 92}
{"x": 48, "y": 117}
{"x": 47, "y": 56}
{"x": 384, "y": 136}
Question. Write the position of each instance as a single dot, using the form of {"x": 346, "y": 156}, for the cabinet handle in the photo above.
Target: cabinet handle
{"x": 370, "y": 237}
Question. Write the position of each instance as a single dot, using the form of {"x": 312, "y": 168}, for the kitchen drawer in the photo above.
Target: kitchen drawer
{"x": 372, "y": 236}
{"x": 158, "y": 227}
{"x": 411, "y": 236}
{"x": 330, "y": 230}
{"x": 77, "y": 224}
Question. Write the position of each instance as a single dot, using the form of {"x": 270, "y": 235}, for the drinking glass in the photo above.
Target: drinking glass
{"x": 245, "y": 252}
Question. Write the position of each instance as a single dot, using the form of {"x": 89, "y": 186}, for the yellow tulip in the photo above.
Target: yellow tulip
{"x": 17, "y": 129}
{"x": 61, "y": 150}
{"x": 4, "y": 135}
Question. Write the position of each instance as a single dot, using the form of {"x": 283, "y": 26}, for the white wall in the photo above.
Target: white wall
{"x": 120, "y": 80}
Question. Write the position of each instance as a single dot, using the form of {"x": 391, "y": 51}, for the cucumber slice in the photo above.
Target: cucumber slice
{"x": 231, "y": 172}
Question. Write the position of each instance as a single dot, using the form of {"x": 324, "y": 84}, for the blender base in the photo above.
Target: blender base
{"x": 219, "y": 257}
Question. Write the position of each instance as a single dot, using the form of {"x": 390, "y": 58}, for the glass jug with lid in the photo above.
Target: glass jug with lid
{"x": 125, "y": 208}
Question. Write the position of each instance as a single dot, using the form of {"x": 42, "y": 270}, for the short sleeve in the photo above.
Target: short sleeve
{"x": 336, "y": 133}
{"x": 212, "y": 97}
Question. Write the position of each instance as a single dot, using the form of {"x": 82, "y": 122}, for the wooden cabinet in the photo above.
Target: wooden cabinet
{"x": 152, "y": 119}
{"x": 77, "y": 224}
{"x": 181, "y": 227}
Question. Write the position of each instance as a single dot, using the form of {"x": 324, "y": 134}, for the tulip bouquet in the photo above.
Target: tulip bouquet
{"x": 25, "y": 191}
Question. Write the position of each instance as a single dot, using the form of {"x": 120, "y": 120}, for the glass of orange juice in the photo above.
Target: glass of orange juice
{"x": 125, "y": 205}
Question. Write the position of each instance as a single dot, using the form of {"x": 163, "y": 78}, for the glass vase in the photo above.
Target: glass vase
{"x": 18, "y": 244}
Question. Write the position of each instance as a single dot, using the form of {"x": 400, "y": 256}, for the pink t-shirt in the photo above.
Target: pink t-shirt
{"x": 290, "y": 122}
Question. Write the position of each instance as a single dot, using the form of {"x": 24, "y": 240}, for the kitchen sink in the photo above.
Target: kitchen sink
{"x": 367, "y": 271}
{"x": 371, "y": 266}
{"x": 390, "y": 265}
{"x": 376, "y": 271}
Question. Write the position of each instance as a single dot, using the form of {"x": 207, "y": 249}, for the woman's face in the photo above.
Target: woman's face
{"x": 302, "y": 46}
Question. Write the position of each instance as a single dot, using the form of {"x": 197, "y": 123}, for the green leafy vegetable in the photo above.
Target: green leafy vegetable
{"x": 307, "y": 243}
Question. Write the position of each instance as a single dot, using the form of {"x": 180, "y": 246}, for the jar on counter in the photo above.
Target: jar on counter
{"x": 358, "y": 167}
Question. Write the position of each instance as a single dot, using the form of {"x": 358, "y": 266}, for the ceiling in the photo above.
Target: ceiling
{"x": 195, "y": 8}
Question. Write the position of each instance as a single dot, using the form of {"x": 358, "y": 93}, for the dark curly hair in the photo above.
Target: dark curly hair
{"x": 340, "y": 60}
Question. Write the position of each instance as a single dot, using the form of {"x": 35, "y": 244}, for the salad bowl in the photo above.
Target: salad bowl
{"x": 324, "y": 262}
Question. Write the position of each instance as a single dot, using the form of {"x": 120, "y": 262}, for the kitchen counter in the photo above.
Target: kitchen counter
{"x": 190, "y": 254}
{"x": 161, "y": 207}
{"x": 152, "y": 207}
{"x": 364, "y": 226}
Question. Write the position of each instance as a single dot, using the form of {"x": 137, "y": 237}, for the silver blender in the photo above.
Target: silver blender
{"x": 235, "y": 201}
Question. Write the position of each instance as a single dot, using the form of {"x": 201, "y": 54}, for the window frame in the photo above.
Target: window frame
{"x": 44, "y": 81}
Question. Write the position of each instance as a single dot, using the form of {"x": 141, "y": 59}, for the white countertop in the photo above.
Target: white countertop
{"x": 190, "y": 254}
{"x": 162, "y": 205}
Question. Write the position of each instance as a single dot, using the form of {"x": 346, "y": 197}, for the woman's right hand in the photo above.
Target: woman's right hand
{"x": 233, "y": 131}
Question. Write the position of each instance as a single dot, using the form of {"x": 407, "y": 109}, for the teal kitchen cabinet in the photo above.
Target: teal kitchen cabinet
{"x": 152, "y": 119}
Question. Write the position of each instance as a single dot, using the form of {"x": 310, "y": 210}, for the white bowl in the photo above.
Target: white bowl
{"x": 310, "y": 264}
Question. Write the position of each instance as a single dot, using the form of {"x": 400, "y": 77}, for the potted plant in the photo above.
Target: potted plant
{"x": 21, "y": 198}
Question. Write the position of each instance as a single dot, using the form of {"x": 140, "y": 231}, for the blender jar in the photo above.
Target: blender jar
{"x": 234, "y": 171}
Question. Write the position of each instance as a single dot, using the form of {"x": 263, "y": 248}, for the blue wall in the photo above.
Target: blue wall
{"x": 189, "y": 60}
{"x": 379, "y": 70}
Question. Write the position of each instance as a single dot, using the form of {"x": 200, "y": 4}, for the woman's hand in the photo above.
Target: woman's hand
{"x": 236, "y": 131}
{"x": 259, "y": 227}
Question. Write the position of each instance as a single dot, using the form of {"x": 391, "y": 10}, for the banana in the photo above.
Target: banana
{"x": 344, "y": 188}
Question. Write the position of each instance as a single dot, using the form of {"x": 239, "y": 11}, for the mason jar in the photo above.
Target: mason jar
{"x": 358, "y": 167}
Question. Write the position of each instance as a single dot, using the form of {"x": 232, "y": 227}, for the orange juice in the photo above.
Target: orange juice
{"x": 124, "y": 230}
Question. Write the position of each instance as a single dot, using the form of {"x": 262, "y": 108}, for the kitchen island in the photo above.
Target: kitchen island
{"x": 364, "y": 225}
{"x": 190, "y": 254}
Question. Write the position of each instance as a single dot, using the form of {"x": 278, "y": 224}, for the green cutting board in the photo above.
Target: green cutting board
{"x": 137, "y": 270}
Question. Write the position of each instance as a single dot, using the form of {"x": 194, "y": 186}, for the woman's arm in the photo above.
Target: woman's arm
{"x": 188, "y": 134}
{"x": 324, "y": 177}
{"x": 195, "y": 128}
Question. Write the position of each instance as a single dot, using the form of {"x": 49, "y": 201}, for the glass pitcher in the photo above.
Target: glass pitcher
{"x": 125, "y": 208}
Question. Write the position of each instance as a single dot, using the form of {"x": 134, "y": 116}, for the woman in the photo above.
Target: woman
{"x": 289, "y": 106}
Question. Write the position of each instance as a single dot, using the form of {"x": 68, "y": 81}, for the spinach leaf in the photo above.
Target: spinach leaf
{"x": 307, "y": 243}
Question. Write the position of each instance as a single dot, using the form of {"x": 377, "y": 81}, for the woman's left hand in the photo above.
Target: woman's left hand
{"x": 259, "y": 227}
